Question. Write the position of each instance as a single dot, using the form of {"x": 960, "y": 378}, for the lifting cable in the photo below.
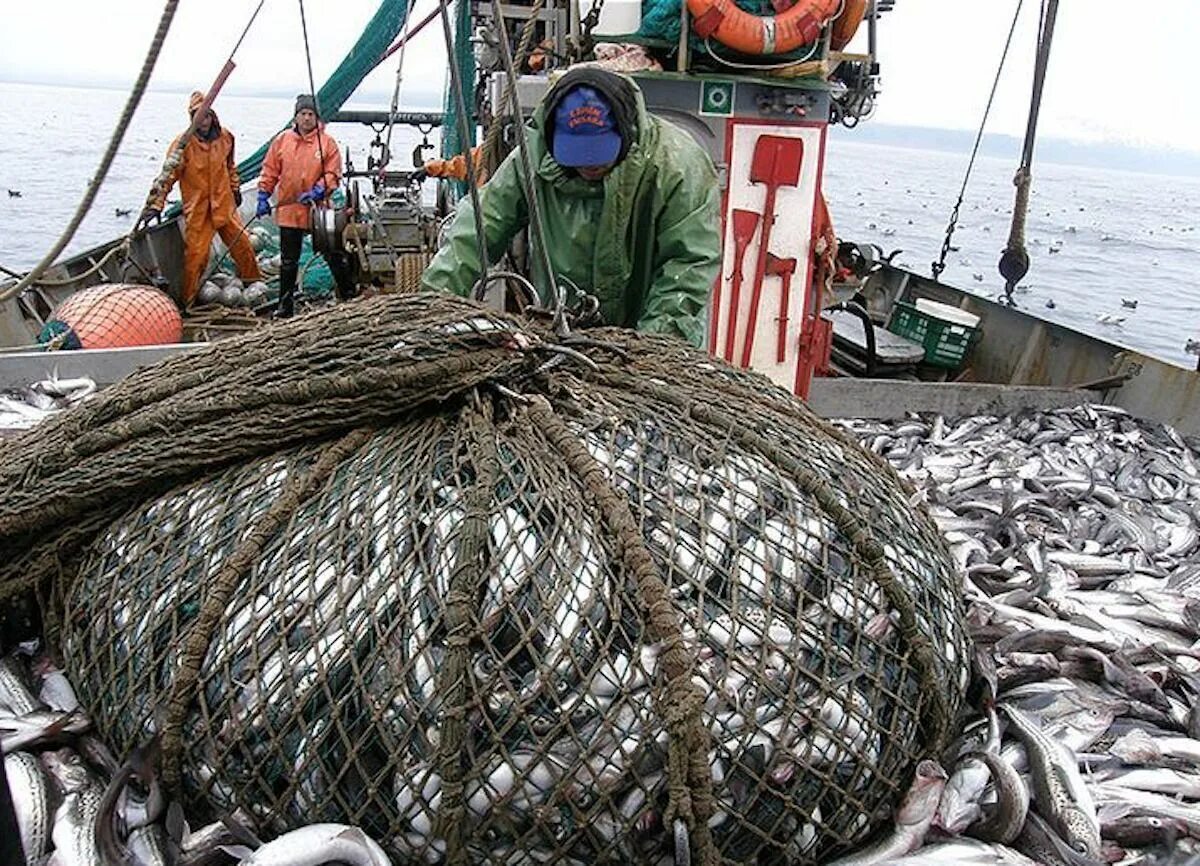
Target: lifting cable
{"x": 1014, "y": 261}
{"x": 114, "y": 143}
{"x": 525, "y": 173}
{"x": 940, "y": 265}
{"x": 491, "y": 143}
{"x": 391, "y": 124}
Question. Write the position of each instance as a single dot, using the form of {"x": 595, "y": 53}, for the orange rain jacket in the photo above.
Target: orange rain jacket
{"x": 292, "y": 166}
{"x": 208, "y": 176}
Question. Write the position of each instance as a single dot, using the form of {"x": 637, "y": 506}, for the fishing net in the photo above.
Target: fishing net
{"x": 494, "y": 596}
{"x": 112, "y": 316}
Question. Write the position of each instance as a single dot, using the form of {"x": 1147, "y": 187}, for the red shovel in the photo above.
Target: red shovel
{"x": 782, "y": 268}
{"x": 776, "y": 163}
{"x": 745, "y": 223}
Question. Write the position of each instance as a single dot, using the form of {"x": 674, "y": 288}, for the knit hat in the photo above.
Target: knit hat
{"x": 305, "y": 100}
{"x": 195, "y": 101}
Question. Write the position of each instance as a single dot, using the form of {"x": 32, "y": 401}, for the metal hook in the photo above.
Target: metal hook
{"x": 565, "y": 352}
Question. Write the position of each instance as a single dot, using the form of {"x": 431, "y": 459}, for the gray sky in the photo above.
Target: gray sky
{"x": 1112, "y": 77}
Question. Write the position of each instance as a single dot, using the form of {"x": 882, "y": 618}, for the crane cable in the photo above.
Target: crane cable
{"x": 395, "y": 106}
{"x": 114, "y": 143}
{"x": 491, "y": 143}
{"x": 940, "y": 265}
{"x": 526, "y": 174}
{"x": 1014, "y": 261}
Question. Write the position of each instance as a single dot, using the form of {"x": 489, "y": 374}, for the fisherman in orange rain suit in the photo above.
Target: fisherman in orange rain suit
{"x": 208, "y": 178}
{"x": 303, "y": 167}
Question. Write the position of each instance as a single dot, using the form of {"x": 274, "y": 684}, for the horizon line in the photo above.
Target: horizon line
{"x": 268, "y": 93}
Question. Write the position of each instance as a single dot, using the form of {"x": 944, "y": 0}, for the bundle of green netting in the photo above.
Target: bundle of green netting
{"x": 493, "y": 594}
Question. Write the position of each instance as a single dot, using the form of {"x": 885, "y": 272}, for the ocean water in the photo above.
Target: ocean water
{"x": 1095, "y": 236}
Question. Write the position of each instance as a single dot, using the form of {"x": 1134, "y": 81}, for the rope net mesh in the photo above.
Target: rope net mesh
{"x": 425, "y": 572}
{"x": 113, "y": 315}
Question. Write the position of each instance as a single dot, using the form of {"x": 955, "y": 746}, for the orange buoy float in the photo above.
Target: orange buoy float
{"x": 112, "y": 316}
{"x": 847, "y": 23}
{"x": 761, "y": 34}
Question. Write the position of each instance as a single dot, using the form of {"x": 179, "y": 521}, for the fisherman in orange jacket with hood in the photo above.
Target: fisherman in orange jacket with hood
{"x": 303, "y": 167}
{"x": 208, "y": 178}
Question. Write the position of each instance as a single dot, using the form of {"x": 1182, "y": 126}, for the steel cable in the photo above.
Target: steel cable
{"x": 536, "y": 227}
{"x": 940, "y": 265}
{"x": 312, "y": 88}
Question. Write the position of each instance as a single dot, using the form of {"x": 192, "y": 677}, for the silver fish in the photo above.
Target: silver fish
{"x": 314, "y": 845}
{"x": 32, "y": 801}
{"x": 1012, "y": 802}
{"x": 74, "y": 831}
{"x": 147, "y": 846}
{"x": 913, "y": 819}
{"x": 959, "y": 805}
{"x": 16, "y": 698}
{"x": 38, "y": 728}
{"x": 963, "y": 852}
{"x": 1057, "y": 785}
{"x": 55, "y": 690}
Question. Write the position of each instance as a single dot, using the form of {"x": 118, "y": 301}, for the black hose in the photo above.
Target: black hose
{"x": 860, "y": 312}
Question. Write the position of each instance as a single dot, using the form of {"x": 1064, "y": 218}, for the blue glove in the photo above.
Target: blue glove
{"x": 313, "y": 195}
{"x": 264, "y": 203}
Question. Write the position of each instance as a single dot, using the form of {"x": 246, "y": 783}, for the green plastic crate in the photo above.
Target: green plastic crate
{"x": 946, "y": 343}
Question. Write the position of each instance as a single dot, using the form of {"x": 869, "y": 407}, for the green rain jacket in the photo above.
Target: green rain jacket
{"x": 645, "y": 240}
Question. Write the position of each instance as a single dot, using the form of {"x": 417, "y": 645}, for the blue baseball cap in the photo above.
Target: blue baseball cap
{"x": 585, "y": 132}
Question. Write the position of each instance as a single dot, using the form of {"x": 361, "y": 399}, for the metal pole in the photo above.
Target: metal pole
{"x": 410, "y": 33}
{"x": 681, "y": 61}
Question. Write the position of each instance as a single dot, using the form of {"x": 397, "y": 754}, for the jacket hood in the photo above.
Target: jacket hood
{"x": 629, "y": 108}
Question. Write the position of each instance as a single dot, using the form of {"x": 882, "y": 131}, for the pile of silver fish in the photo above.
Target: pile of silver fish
{"x": 1077, "y": 533}
{"x": 77, "y": 806}
{"x": 24, "y": 408}
{"x": 320, "y": 696}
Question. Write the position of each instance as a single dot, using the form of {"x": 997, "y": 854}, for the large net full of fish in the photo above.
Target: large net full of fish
{"x": 493, "y": 595}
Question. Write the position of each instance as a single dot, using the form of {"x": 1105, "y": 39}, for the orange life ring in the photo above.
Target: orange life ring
{"x": 761, "y": 34}
{"x": 847, "y": 23}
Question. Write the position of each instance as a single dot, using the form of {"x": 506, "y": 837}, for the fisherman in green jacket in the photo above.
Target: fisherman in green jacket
{"x": 629, "y": 204}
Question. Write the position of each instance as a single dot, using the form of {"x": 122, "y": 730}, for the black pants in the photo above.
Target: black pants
{"x": 290, "y": 241}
